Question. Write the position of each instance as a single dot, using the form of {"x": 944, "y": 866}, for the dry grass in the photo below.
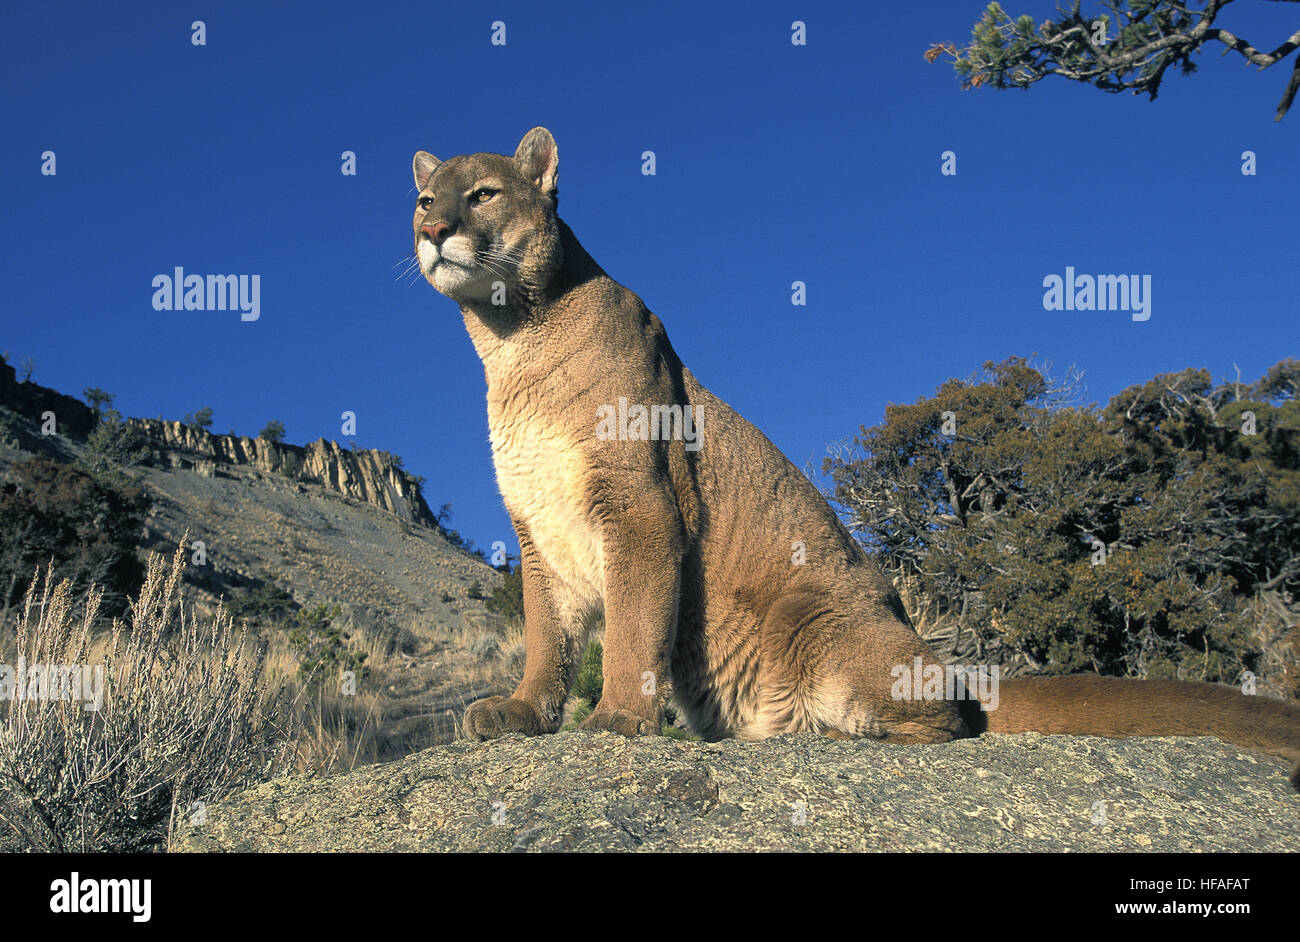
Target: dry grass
{"x": 185, "y": 718}
{"x": 333, "y": 732}
{"x": 329, "y": 730}
{"x": 279, "y": 662}
{"x": 501, "y": 657}
{"x": 195, "y": 708}
{"x": 378, "y": 648}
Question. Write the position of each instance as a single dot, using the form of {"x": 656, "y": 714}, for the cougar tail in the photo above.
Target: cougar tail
{"x": 1090, "y": 705}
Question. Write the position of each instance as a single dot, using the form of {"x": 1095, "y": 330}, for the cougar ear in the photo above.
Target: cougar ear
{"x": 423, "y": 166}
{"x": 539, "y": 159}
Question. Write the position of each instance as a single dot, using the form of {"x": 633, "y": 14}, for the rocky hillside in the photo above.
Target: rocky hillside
{"x": 330, "y": 525}
{"x": 600, "y": 791}
{"x": 336, "y": 524}
{"x": 369, "y": 476}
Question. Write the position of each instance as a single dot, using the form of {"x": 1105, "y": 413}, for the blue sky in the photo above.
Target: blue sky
{"x": 775, "y": 163}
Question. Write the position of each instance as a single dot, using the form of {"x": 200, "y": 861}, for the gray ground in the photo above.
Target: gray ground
{"x": 600, "y": 791}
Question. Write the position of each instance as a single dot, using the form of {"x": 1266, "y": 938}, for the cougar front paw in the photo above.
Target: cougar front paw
{"x": 497, "y": 716}
{"x": 621, "y": 721}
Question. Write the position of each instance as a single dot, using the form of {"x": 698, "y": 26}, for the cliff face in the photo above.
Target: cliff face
{"x": 369, "y": 476}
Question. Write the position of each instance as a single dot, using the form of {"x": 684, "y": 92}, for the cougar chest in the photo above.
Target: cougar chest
{"x": 542, "y": 478}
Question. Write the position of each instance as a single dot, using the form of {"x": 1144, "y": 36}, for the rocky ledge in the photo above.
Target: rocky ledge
{"x": 587, "y": 791}
{"x": 370, "y": 476}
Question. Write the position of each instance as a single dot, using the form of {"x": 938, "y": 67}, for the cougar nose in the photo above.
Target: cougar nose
{"x": 438, "y": 232}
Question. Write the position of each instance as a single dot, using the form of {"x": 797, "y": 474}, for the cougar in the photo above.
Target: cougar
{"x": 636, "y": 493}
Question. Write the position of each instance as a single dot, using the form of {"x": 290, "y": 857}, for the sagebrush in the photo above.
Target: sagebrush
{"x": 184, "y": 720}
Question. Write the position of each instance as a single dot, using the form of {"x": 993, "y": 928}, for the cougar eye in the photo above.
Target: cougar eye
{"x": 482, "y": 195}
{"x": 425, "y": 202}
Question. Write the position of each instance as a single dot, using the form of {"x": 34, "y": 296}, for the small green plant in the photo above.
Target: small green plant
{"x": 476, "y": 591}
{"x": 580, "y": 713}
{"x": 675, "y": 732}
{"x": 447, "y": 597}
{"x": 321, "y": 646}
{"x": 268, "y": 604}
{"x": 589, "y": 683}
{"x": 589, "y": 680}
{"x": 113, "y": 448}
{"x": 507, "y": 599}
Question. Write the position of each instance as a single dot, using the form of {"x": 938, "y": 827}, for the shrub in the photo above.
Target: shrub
{"x": 88, "y": 526}
{"x": 113, "y": 448}
{"x": 181, "y": 721}
{"x": 98, "y": 399}
{"x": 442, "y": 518}
{"x": 267, "y": 605}
{"x": 507, "y": 599}
{"x": 485, "y": 647}
{"x": 1154, "y": 537}
{"x": 321, "y": 646}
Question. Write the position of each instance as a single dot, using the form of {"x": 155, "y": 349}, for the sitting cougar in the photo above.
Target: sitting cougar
{"x": 636, "y": 492}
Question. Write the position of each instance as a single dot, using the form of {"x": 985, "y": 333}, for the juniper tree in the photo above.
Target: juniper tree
{"x": 200, "y": 419}
{"x": 98, "y": 399}
{"x": 1156, "y": 536}
{"x": 1129, "y": 47}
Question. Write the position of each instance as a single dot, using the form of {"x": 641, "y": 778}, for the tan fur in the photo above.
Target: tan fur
{"x": 688, "y": 553}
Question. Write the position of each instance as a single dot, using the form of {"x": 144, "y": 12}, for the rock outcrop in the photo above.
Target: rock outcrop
{"x": 600, "y": 791}
{"x": 367, "y": 475}
{"x": 373, "y": 477}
